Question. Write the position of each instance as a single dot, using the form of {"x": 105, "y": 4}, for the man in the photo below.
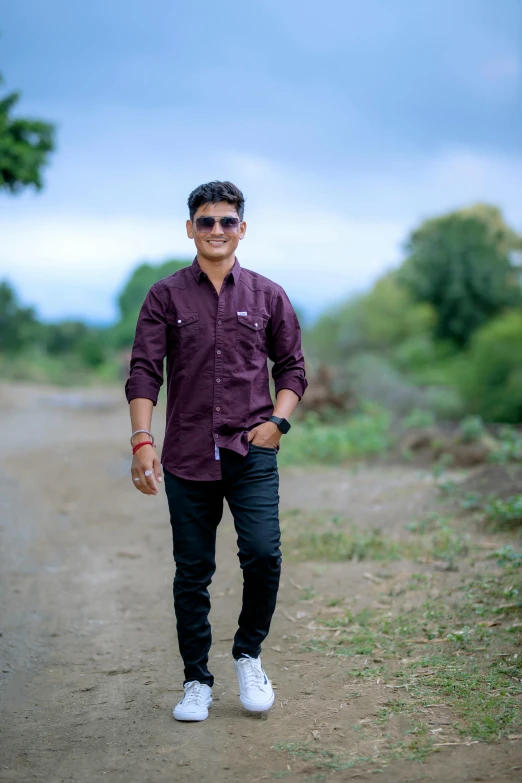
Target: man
{"x": 217, "y": 323}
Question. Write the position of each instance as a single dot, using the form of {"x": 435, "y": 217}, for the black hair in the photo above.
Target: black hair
{"x": 213, "y": 193}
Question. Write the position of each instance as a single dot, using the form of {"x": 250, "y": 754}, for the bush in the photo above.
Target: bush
{"x": 505, "y": 513}
{"x": 363, "y": 434}
{"x": 491, "y": 373}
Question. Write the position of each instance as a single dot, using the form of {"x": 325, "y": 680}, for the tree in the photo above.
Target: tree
{"x": 25, "y": 145}
{"x": 381, "y": 319}
{"x": 134, "y": 292}
{"x": 491, "y": 373}
{"x": 18, "y": 325}
{"x": 463, "y": 265}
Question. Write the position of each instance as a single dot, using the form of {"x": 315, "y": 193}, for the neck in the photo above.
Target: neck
{"x": 217, "y": 269}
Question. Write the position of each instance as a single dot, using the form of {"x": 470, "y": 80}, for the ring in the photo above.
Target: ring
{"x": 137, "y": 478}
{"x": 148, "y": 473}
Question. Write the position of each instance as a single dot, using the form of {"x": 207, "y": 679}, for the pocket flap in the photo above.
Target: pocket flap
{"x": 184, "y": 319}
{"x": 254, "y": 322}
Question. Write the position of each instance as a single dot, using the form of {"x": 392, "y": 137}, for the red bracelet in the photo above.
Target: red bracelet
{"x": 139, "y": 445}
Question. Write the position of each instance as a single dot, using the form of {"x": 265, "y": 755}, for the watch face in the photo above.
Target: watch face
{"x": 284, "y": 426}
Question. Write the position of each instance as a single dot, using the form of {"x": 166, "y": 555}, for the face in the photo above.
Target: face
{"x": 216, "y": 244}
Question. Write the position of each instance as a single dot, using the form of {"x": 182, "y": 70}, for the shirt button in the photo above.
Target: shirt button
{"x": 218, "y": 352}
{"x": 218, "y": 380}
{"x": 219, "y": 323}
{"x": 218, "y": 408}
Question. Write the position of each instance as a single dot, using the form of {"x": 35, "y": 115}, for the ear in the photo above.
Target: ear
{"x": 190, "y": 229}
{"x": 242, "y": 229}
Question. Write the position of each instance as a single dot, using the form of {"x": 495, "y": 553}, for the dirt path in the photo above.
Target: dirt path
{"x": 90, "y": 668}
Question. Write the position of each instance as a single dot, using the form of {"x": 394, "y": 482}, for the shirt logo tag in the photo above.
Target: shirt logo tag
{"x": 216, "y": 452}
{"x": 245, "y": 313}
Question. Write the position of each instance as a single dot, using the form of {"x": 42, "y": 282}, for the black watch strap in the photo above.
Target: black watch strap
{"x": 282, "y": 424}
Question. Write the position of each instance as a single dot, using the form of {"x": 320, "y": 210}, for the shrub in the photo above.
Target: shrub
{"x": 491, "y": 377}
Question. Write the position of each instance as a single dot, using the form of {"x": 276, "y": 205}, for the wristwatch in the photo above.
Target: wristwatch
{"x": 282, "y": 424}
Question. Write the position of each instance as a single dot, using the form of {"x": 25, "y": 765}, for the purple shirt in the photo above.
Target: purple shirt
{"x": 217, "y": 373}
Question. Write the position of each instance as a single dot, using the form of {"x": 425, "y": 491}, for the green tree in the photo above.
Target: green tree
{"x": 76, "y": 338}
{"x": 18, "y": 325}
{"x": 463, "y": 265}
{"x": 491, "y": 371}
{"x": 377, "y": 321}
{"x": 134, "y": 292}
{"x": 25, "y": 145}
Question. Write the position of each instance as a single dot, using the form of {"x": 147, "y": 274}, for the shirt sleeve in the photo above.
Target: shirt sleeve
{"x": 149, "y": 349}
{"x": 284, "y": 346}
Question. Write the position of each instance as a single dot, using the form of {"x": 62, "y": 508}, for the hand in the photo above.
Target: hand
{"x": 266, "y": 435}
{"x": 146, "y": 459}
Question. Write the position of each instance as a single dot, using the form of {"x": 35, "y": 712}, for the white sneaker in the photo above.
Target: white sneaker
{"x": 195, "y": 703}
{"x": 255, "y": 689}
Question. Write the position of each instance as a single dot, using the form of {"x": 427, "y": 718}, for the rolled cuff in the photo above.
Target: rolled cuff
{"x": 292, "y": 382}
{"x": 141, "y": 387}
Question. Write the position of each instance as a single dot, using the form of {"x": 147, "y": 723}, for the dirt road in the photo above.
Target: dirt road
{"x": 90, "y": 668}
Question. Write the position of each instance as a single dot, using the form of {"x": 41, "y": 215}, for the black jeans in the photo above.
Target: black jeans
{"x": 251, "y": 487}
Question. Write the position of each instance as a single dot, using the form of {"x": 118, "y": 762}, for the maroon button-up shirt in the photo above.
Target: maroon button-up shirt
{"x": 216, "y": 348}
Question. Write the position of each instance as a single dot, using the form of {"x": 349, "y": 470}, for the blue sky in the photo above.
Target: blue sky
{"x": 344, "y": 123}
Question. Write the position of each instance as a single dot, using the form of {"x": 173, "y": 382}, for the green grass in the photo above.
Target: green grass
{"x": 448, "y": 652}
{"x": 470, "y": 645}
{"x": 330, "y": 538}
{"x": 505, "y": 513}
{"x": 361, "y": 435}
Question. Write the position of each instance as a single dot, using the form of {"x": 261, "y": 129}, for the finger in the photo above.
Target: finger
{"x": 135, "y": 479}
{"x": 151, "y": 480}
{"x": 157, "y": 469}
{"x": 143, "y": 484}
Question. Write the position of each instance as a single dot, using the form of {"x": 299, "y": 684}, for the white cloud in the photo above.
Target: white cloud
{"x": 320, "y": 237}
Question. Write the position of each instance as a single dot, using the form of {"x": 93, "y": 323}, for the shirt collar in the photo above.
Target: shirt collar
{"x": 198, "y": 272}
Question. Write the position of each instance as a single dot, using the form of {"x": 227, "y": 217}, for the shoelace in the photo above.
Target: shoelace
{"x": 194, "y": 693}
{"x": 253, "y": 673}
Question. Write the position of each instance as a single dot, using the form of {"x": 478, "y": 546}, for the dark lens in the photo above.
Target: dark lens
{"x": 205, "y": 223}
{"x": 229, "y": 223}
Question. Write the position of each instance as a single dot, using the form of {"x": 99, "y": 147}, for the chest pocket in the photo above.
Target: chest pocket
{"x": 185, "y": 333}
{"x": 250, "y": 335}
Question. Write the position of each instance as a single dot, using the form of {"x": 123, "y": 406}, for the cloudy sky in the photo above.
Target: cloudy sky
{"x": 344, "y": 122}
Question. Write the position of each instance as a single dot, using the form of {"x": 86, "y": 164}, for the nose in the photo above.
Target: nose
{"x": 216, "y": 228}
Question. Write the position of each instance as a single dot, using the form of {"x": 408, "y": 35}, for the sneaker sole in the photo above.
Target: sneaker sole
{"x": 190, "y": 717}
{"x": 256, "y": 707}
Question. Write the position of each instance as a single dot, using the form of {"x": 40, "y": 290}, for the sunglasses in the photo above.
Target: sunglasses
{"x": 228, "y": 224}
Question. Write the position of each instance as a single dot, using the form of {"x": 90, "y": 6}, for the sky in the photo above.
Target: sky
{"x": 345, "y": 124}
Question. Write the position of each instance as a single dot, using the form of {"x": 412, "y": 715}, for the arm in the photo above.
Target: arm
{"x": 145, "y": 458}
{"x": 284, "y": 349}
{"x": 143, "y": 385}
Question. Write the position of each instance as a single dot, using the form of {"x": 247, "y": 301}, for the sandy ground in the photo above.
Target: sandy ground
{"x": 90, "y": 667}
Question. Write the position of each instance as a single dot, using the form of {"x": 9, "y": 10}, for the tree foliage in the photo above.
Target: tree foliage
{"x": 25, "y": 146}
{"x": 463, "y": 265}
{"x": 134, "y": 292}
{"x": 18, "y": 325}
{"x": 491, "y": 372}
{"x": 376, "y": 321}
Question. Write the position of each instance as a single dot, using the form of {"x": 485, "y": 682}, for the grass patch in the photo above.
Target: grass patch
{"x": 364, "y": 434}
{"x": 314, "y": 538}
{"x": 504, "y": 513}
{"x": 465, "y": 649}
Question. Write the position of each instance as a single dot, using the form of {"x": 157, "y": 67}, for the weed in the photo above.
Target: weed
{"x": 418, "y": 418}
{"x": 505, "y": 513}
{"x": 509, "y": 447}
{"x": 363, "y": 434}
{"x": 471, "y": 429}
